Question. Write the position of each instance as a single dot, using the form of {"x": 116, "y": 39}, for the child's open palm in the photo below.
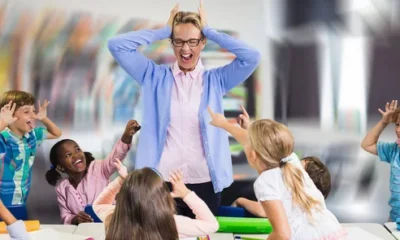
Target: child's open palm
{"x": 179, "y": 189}
{"x": 387, "y": 115}
{"x": 7, "y": 112}
{"x": 122, "y": 170}
{"x": 42, "y": 112}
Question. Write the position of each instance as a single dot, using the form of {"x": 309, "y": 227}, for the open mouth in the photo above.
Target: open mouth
{"x": 186, "y": 57}
{"x": 78, "y": 163}
{"x": 31, "y": 124}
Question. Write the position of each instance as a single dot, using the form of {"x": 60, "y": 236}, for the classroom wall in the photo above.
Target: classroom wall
{"x": 246, "y": 19}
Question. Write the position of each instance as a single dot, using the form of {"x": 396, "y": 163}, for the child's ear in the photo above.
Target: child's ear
{"x": 59, "y": 168}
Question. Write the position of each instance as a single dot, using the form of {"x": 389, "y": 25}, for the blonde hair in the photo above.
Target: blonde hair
{"x": 271, "y": 142}
{"x": 187, "y": 17}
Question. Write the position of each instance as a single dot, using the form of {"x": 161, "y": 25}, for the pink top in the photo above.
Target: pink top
{"x": 183, "y": 147}
{"x": 204, "y": 224}
{"x": 71, "y": 201}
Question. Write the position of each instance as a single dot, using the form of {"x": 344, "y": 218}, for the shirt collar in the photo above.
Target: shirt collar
{"x": 193, "y": 74}
{"x": 26, "y": 135}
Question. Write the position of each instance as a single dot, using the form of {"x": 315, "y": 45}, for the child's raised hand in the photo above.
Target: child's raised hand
{"x": 122, "y": 170}
{"x": 131, "y": 128}
{"x": 179, "y": 189}
{"x": 243, "y": 119}
{"x": 387, "y": 115}
{"x": 42, "y": 112}
{"x": 217, "y": 119}
{"x": 7, "y": 112}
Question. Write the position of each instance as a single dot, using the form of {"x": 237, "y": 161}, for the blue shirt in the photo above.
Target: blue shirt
{"x": 17, "y": 155}
{"x": 389, "y": 152}
{"x": 156, "y": 81}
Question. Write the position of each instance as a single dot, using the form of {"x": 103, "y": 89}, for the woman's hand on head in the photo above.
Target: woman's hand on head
{"x": 172, "y": 15}
{"x": 202, "y": 13}
{"x": 179, "y": 189}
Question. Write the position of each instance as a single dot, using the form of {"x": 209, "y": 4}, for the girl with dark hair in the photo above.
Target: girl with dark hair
{"x": 87, "y": 177}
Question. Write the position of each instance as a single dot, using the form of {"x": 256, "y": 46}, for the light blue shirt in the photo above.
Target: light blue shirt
{"x": 156, "y": 81}
{"x": 389, "y": 152}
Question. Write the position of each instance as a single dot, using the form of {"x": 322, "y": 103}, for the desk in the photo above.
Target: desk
{"x": 94, "y": 230}
{"x": 392, "y": 228}
{"x": 59, "y": 227}
{"x": 374, "y": 228}
{"x": 97, "y": 231}
{"x": 221, "y": 236}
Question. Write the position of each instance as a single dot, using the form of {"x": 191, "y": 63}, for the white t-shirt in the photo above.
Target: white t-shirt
{"x": 270, "y": 186}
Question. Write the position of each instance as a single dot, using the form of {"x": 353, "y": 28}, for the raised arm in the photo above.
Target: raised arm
{"x": 369, "y": 142}
{"x": 247, "y": 57}
{"x": 53, "y": 131}
{"x": 124, "y": 49}
{"x": 120, "y": 149}
{"x": 219, "y": 120}
{"x": 102, "y": 205}
{"x": 205, "y": 222}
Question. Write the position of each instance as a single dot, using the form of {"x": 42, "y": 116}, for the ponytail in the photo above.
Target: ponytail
{"x": 294, "y": 180}
{"x": 53, "y": 176}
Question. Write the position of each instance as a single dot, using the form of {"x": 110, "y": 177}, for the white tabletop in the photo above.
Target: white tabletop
{"x": 391, "y": 226}
{"x": 96, "y": 230}
{"x": 375, "y": 229}
{"x": 59, "y": 227}
{"x": 372, "y": 230}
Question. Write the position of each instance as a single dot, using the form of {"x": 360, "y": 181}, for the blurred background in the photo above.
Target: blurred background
{"x": 327, "y": 66}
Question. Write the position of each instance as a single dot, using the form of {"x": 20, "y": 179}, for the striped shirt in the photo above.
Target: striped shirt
{"x": 17, "y": 155}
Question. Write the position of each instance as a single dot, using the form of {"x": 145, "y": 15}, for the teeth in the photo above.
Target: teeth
{"x": 185, "y": 55}
{"x": 77, "y": 161}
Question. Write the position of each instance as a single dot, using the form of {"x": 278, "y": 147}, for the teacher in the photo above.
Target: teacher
{"x": 175, "y": 132}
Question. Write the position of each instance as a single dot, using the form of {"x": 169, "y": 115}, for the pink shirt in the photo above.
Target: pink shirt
{"x": 204, "y": 224}
{"x": 183, "y": 147}
{"x": 71, "y": 201}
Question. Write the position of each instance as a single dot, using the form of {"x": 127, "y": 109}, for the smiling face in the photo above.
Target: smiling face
{"x": 187, "y": 43}
{"x": 24, "y": 110}
{"x": 26, "y": 120}
{"x": 71, "y": 158}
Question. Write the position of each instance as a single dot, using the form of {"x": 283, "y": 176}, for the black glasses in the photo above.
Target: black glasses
{"x": 193, "y": 42}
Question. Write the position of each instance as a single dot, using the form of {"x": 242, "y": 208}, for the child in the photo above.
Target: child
{"x": 16, "y": 229}
{"x": 318, "y": 173}
{"x": 294, "y": 206}
{"x": 19, "y": 139}
{"x": 145, "y": 209}
{"x": 86, "y": 177}
{"x": 387, "y": 152}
